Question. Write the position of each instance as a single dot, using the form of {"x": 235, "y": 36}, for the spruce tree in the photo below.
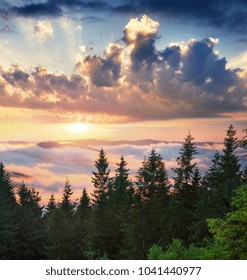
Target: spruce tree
{"x": 185, "y": 170}
{"x": 83, "y": 241}
{"x": 8, "y": 221}
{"x": 122, "y": 185}
{"x": 67, "y": 205}
{"x": 31, "y": 229}
{"x": 150, "y": 209}
{"x": 101, "y": 180}
{"x": 102, "y": 210}
{"x": 223, "y": 177}
{"x": 231, "y": 174}
{"x": 243, "y": 141}
{"x": 133, "y": 242}
{"x": 121, "y": 201}
{"x": 184, "y": 192}
{"x": 53, "y": 226}
{"x": 199, "y": 228}
{"x": 51, "y": 204}
{"x": 60, "y": 227}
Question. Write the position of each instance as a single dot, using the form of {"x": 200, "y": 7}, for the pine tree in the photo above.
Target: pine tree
{"x": 60, "y": 227}
{"x": 122, "y": 185}
{"x": 83, "y": 241}
{"x": 101, "y": 180}
{"x": 51, "y": 204}
{"x": 102, "y": 210}
{"x": 31, "y": 230}
{"x": 153, "y": 188}
{"x": 8, "y": 221}
{"x": 243, "y": 142}
{"x": 223, "y": 177}
{"x": 67, "y": 205}
{"x": 84, "y": 202}
{"x": 231, "y": 174}
{"x": 184, "y": 192}
{"x": 186, "y": 167}
{"x": 199, "y": 228}
{"x": 53, "y": 225}
{"x": 121, "y": 201}
{"x": 133, "y": 242}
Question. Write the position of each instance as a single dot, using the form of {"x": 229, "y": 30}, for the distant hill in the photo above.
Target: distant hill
{"x": 88, "y": 143}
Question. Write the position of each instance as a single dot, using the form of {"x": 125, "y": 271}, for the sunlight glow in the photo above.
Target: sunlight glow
{"x": 77, "y": 128}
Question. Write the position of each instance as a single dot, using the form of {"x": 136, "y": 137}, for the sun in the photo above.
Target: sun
{"x": 77, "y": 128}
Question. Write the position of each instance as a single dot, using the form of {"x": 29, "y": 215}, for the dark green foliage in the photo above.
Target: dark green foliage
{"x": 191, "y": 218}
{"x": 31, "y": 230}
{"x": 83, "y": 229}
{"x": 8, "y": 219}
{"x": 67, "y": 206}
{"x": 51, "y": 205}
{"x": 53, "y": 224}
{"x": 102, "y": 214}
{"x": 151, "y": 200}
{"x": 243, "y": 142}
{"x": 230, "y": 166}
{"x": 100, "y": 180}
{"x": 133, "y": 231}
{"x": 185, "y": 192}
{"x": 186, "y": 166}
{"x": 232, "y": 230}
{"x": 121, "y": 200}
{"x": 223, "y": 177}
{"x": 60, "y": 227}
{"x": 177, "y": 251}
{"x": 123, "y": 189}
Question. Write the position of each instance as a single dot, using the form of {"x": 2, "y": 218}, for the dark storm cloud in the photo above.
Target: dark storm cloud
{"x": 230, "y": 15}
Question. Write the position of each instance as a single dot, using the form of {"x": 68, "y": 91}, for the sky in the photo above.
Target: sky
{"x": 122, "y": 71}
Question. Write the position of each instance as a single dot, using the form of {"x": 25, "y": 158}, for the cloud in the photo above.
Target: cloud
{"x": 140, "y": 36}
{"x": 7, "y": 29}
{"x": 48, "y": 145}
{"x": 46, "y": 169}
{"x": 104, "y": 71}
{"x": 88, "y": 143}
{"x": 239, "y": 61}
{"x": 134, "y": 81}
{"x": 43, "y": 31}
{"x": 48, "y": 8}
{"x": 19, "y": 175}
{"x": 230, "y": 16}
{"x": 93, "y": 19}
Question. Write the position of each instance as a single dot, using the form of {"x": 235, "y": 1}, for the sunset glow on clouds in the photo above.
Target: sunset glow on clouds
{"x": 116, "y": 70}
{"x": 131, "y": 80}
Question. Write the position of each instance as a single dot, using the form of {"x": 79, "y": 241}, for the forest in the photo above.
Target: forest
{"x": 189, "y": 216}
